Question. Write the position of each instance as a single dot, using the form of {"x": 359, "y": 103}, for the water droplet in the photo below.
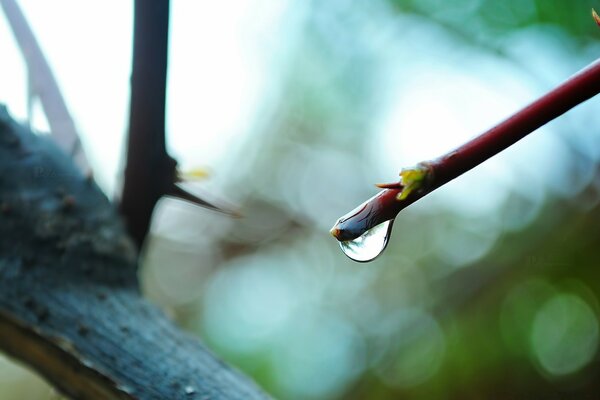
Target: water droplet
{"x": 367, "y": 247}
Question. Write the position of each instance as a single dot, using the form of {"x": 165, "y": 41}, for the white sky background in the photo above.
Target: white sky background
{"x": 88, "y": 48}
{"x": 216, "y": 73}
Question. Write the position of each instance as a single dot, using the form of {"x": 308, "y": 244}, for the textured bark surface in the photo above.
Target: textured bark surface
{"x": 70, "y": 306}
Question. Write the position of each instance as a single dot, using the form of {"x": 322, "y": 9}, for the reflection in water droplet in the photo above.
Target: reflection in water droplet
{"x": 371, "y": 244}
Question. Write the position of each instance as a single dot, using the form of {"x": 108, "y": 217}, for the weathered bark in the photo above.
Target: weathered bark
{"x": 70, "y": 306}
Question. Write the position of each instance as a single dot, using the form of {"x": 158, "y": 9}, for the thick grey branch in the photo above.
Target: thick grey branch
{"x": 69, "y": 300}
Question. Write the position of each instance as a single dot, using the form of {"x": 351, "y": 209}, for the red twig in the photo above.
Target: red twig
{"x": 386, "y": 205}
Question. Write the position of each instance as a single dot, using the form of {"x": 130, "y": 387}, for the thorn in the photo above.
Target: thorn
{"x": 68, "y": 202}
{"x": 178, "y": 192}
{"x": 394, "y": 185}
{"x": 596, "y": 17}
{"x": 89, "y": 177}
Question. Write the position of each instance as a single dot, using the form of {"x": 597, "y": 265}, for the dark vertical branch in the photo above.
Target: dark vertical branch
{"x": 149, "y": 171}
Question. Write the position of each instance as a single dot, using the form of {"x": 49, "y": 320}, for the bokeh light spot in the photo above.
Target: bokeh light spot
{"x": 318, "y": 359}
{"x": 564, "y": 336}
{"x": 247, "y": 304}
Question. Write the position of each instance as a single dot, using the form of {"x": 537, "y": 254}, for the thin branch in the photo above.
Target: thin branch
{"x": 430, "y": 175}
{"x": 42, "y": 84}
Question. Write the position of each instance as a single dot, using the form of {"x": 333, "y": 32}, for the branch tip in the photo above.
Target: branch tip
{"x": 335, "y": 232}
{"x": 418, "y": 181}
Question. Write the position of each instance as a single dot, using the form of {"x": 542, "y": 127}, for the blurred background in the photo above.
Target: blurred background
{"x": 489, "y": 287}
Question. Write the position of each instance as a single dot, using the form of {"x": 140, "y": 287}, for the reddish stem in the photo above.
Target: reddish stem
{"x": 385, "y": 206}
